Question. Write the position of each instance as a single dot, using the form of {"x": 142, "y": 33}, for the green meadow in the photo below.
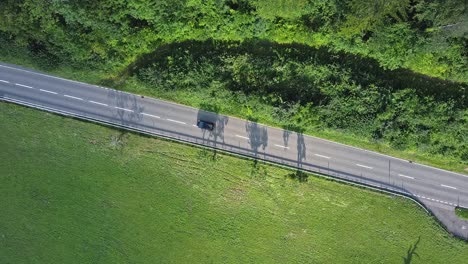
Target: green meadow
{"x": 76, "y": 192}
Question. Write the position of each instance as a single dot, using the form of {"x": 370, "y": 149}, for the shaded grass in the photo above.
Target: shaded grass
{"x": 462, "y": 212}
{"x": 78, "y": 192}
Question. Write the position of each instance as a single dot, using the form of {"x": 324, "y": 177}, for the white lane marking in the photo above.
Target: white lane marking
{"x": 279, "y": 146}
{"x": 22, "y": 85}
{"x": 242, "y": 137}
{"x": 124, "y": 109}
{"x": 364, "y": 166}
{"x": 435, "y": 200}
{"x": 447, "y": 186}
{"x": 322, "y": 156}
{"x": 73, "y": 97}
{"x": 45, "y": 75}
{"x": 3, "y": 81}
{"x": 175, "y": 121}
{"x": 94, "y": 102}
{"x": 47, "y": 91}
{"x": 195, "y": 125}
{"x": 406, "y": 176}
{"x": 150, "y": 115}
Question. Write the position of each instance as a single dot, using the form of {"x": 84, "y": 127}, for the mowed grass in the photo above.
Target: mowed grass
{"x": 76, "y": 192}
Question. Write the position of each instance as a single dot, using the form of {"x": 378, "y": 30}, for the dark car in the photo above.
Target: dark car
{"x": 205, "y": 125}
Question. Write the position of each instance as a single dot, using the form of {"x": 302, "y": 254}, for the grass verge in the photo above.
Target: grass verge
{"x": 78, "y": 192}
{"x": 462, "y": 213}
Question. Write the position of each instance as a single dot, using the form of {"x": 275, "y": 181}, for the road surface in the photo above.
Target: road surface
{"x": 438, "y": 189}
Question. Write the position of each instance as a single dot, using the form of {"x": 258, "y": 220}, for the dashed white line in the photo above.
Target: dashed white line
{"x": 364, "y": 166}
{"x": 242, "y": 137}
{"x": 322, "y": 156}
{"x": 94, "y": 102}
{"x": 447, "y": 186}
{"x": 175, "y": 121}
{"x": 3, "y": 66}
{"x": 73, "y": 97}
{"x": 47, "y": 91}
{"x": 22, "y": 85}
{"x": 145, "y": 114}
{"x": 435, "y": 200}
{"x": 3, "y": 81}
{"x": 279, "y": 146}
{"x": 406, "y": 176}
{"x": 124, "y": 109}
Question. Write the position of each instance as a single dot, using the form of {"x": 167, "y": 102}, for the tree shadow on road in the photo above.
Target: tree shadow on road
{"x": 411, "y": 252}
{"x": 301, "y": 149}
{"x": 126, "y": 101}
{"x": 286, "y": 134}
{"x": 301, "y": 146}
{"x": 258, "y": 136}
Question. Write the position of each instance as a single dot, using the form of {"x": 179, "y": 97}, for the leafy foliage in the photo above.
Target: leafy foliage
{"x": 364, "y": 16}
{"x": 430, "y": 35}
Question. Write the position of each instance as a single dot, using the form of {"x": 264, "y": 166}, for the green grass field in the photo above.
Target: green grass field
{"x": 75, "y": 192}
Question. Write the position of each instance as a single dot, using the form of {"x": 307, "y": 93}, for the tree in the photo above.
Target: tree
{"x": 365, "y": 15}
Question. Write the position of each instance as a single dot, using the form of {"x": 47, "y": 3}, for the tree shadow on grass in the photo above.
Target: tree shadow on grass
{"x": 411, "y": 252}
{"x": 363, "y": 71}
{"x": 298, "y": 175}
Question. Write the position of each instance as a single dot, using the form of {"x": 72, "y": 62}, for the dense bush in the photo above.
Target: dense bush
{"x": 427, "y": 36}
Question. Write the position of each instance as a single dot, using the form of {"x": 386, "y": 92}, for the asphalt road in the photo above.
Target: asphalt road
{"x": 436, "y": 188}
